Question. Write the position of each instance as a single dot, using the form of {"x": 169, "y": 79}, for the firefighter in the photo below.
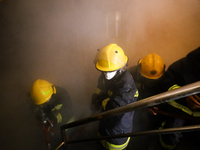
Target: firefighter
{"x": 147, "y": 74}
{"x": 182, "y": 72}
{"x": 115, "y": 88}
{"x": 51, "y": 105}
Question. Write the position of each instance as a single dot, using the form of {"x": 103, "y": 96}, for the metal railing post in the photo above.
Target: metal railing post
{"x": 64, "y": 139}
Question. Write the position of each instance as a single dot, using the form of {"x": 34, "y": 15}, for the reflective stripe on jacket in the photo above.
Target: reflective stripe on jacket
{"x": 182, "y": 107}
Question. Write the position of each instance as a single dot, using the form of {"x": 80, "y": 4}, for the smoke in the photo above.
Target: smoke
{"x": 57, "y": 40}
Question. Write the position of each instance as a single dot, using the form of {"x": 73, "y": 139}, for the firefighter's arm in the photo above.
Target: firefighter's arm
{"x": 95, "y": 104}
{"x": 41, "y": 115}
{"x": 193, "y": 102}
{"x": 99, "y": 95}
{"x": 56, "y": 115}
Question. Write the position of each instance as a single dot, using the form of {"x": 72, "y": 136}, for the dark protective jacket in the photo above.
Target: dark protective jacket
{"x": 143, "y": 120}
{"x": 120, "y": 90}
{"x": 146, "y": 87}
{"x": 182, "y": 72}
{"x": 58, "y": 109}
{"x": 60, "y": 104}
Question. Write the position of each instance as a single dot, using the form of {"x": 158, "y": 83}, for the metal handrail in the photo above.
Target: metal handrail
{"x": 187, "y": 90}
{"x": 149, "y": 132}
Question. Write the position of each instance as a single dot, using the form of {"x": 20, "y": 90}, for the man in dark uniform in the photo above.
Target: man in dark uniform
{"x": 52, "y": 106}
{"x": 115, "y": 88}
{"x": 182, "y": 72}
{"x": 147, "y": 74}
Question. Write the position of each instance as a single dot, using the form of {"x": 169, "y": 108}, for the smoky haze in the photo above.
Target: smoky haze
{"x": 57, "y": 40}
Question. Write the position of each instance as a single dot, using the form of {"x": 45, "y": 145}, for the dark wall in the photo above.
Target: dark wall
{"x": 56, "y": 40}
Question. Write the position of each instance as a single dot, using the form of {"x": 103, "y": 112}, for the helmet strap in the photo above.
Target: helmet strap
{"x": 121, "y": 70}
{"x": 54, "y": 89}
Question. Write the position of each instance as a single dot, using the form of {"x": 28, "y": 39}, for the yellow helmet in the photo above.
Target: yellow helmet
{"x": 42, "y": 91}
{"x": 110, "y": 58}
{"x": 152, "y": 66}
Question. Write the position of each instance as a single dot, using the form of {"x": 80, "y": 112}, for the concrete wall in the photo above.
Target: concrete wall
{"x": 57, "y": 40}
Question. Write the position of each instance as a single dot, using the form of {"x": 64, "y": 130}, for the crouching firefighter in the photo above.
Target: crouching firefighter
{"x": 52, "y": 107}
{"x": 115, "y": 88}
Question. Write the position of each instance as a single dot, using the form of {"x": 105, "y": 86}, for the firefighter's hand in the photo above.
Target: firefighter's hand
{"x": 152, "y": 110}
{"x": 42, "y": 117}
{"x": 95, "y": 106}
{"x": 193, "y": 102}
{"x": 48, "y": 123}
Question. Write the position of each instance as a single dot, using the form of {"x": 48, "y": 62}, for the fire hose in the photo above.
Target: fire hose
{"x": 46, "y": 127}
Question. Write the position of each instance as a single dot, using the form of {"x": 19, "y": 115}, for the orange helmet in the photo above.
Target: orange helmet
{"x": 152, "y": 66}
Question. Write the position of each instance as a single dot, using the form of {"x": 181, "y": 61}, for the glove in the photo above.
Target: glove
{"x": 104, "y": 103}
{"x": 41, "y": 116}
{"x": 193, "y": 102}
